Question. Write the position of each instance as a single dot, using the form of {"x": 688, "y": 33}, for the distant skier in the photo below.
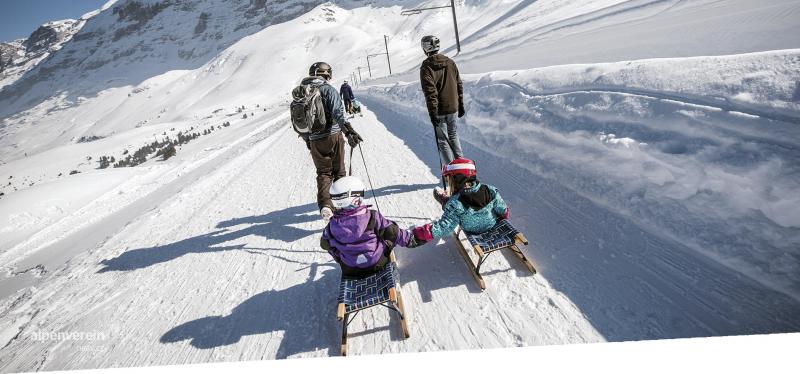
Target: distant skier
{"x": 347, "y": 95}
{"x": 359, "y": 239}
{"x": 475, "y": 206}
{"x": 325, "y": 141}
{"x": 444, "y": 96}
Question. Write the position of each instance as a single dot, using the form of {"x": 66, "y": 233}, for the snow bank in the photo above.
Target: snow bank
{"x": 701, "y": 150}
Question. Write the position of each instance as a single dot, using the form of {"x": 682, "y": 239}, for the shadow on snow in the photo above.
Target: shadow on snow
{"x": 312, "y": 326}
{"x": 278, "y": 225}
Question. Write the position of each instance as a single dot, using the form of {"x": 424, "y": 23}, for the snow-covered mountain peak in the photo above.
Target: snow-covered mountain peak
{"x": 21, "y": 55}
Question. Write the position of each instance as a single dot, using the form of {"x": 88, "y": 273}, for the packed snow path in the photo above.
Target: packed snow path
{"x": 227, "y": 267}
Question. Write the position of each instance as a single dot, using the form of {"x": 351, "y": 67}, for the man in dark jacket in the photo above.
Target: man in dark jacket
{"x": 347, "y": 95}
{"x": 327, "y": 146}
{"x": 444, "y": 95}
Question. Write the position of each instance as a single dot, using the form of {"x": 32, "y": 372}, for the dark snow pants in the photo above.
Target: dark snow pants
{"x": 328, "y": 156}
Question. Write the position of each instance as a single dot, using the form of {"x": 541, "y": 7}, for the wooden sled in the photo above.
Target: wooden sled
{"x": 357, "y": 294}
{"x": 501, "y": 236}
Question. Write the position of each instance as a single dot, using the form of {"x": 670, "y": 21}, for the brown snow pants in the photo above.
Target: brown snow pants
{"x": 328, "y": 156}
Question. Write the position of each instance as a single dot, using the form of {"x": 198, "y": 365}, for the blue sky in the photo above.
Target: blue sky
{"x": 19, "y": 18}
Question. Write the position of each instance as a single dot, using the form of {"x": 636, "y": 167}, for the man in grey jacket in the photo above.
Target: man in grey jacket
{"x": 327, "y": 145}
{"x": 444, "y": 96}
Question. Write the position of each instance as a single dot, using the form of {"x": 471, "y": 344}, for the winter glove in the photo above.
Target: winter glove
{"x": 353, "y": 139}
{"x": 414, "y": 243}
{"x": 352, "y": 136}
{"x": 505, "y": 214}
{"x": 461, "y": 110}
{"x": 423, "y": 233}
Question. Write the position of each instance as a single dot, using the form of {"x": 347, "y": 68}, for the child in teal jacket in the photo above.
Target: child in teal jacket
{"x": 475, "y": 206}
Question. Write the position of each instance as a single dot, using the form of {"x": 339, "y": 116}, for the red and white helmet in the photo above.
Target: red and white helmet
{"x": 460, "y": 166}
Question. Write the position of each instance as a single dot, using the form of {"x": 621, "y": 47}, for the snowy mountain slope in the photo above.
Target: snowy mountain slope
{"x": 212, "y": 255}
{"x": 629, "y": 30}
{"x": 510, "y": 35}
{"x": 123, "y": 55}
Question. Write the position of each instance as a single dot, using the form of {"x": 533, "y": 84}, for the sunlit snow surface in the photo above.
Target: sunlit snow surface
{"x": 648, "y": 149}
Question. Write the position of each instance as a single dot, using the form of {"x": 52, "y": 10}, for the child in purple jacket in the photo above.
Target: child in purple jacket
{"x": 359, "y": 239}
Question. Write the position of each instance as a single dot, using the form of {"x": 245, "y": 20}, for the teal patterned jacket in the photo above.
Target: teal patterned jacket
{"x": 480, "y": 221}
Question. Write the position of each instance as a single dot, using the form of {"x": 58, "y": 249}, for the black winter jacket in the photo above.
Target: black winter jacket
{"x": 346, "y": 92}
{"x": 441, "y": 84}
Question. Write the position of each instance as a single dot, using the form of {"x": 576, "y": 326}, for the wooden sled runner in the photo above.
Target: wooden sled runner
{"x": 501, "y": 236}
{"x": 357, "y": 294}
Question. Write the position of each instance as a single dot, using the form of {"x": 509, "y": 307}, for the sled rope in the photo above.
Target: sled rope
{"x": 368, "y": 177}
{"x": 351, "y": 162}
{"x": 439, "y": 155}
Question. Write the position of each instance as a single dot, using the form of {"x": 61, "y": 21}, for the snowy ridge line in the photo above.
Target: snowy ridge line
{"x": 721, "y": 103}
{"x": 71, "y": 230}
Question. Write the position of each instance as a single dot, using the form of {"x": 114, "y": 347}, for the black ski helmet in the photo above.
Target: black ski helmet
{"x": 320, "y": 69}
{"x": 430, "y": 44}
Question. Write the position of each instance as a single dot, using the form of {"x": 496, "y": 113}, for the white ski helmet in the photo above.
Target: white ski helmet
{"x": 430, "y": 44}
{"x": 347, "y": 193}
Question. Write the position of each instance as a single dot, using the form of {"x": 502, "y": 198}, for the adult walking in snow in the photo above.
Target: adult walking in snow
{"x": 347, "y": 95}
{"x": 326, "y": 143}
{"x": 444, "y": 96}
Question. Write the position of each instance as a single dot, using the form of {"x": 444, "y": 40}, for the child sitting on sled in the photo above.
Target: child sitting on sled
{"x": 475, "y": 206}
{"x": 359, "y": 239}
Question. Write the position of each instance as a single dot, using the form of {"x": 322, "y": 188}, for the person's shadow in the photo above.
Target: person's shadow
{"x": 304, "y": 312}
{"x": 279, "y": 225}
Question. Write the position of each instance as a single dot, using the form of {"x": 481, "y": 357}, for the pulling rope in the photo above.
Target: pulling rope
{"x": 439, "y": 155}
{"x": 368, "y": 177}
{"x": 351, "y": 162}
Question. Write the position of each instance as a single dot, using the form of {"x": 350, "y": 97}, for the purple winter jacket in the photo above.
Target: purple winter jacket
{"x": 347, "y": 239}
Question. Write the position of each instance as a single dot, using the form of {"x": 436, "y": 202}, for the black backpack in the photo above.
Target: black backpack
{"x": 308, "y": 112}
